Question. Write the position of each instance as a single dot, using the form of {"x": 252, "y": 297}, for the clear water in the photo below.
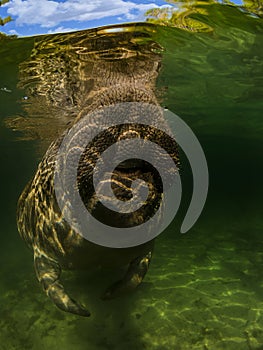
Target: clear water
{"x": 204, "y": 289}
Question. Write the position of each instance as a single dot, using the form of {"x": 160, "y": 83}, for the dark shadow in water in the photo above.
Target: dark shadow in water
{"x": 113, "y": 322}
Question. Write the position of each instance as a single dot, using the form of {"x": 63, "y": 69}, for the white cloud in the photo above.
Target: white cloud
{"x": 13, "y": 32}
{"x": 50, "y": 13}
{"x": 61, "y": 30}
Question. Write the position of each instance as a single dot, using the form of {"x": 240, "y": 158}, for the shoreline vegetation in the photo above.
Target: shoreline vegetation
{"x": 192, "y": 15}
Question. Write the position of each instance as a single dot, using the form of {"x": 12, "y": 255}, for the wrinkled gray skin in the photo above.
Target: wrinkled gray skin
{"x": 55, "y": 244}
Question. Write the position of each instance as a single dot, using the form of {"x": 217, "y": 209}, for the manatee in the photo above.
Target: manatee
{"x": 67, "y": 77}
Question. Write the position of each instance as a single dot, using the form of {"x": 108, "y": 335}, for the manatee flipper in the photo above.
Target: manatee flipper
{"x": 133, "y": 277}
{"x": 48, "y": 272}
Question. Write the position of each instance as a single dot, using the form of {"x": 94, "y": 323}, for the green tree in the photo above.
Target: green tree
{"x": 180, "y": 15}
{"x": 184, "y": 13}
{"x": 254, "y": 6}
{"x": 3, "y": 21}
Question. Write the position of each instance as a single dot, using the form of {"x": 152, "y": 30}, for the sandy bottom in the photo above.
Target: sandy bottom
{"x": 204, "y": 290}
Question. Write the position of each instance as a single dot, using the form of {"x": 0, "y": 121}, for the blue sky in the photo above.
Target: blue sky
{"x": 32, "y": 17}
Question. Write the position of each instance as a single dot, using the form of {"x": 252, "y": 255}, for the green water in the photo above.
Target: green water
{"x": 204, "y": 289}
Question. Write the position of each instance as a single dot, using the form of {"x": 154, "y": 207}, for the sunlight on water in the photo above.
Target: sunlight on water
{"x": 204, "y": 289}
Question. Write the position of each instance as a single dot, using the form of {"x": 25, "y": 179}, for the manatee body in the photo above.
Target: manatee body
{"x": 90, "y": 83}
{"x": 57, "y": 246}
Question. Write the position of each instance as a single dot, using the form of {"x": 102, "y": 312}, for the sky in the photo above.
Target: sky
{"x": 31, "y": 17}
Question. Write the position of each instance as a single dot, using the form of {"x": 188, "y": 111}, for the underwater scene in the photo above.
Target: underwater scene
{"x": 204, "y": 288}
